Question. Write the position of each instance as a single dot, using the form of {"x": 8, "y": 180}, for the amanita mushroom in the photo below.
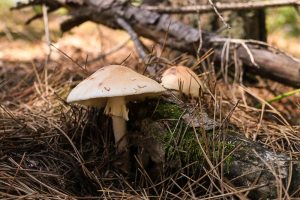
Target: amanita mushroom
{"x": 182, "y": 79}
{"x": 112, "y": 87}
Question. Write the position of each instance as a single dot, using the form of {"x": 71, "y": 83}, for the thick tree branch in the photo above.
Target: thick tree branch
{"x": 271, "y": 62}
{"x": 252, "y": 5}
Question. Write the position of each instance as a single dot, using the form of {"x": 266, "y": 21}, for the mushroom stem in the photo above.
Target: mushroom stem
{"x": 116, "y": 108}
{"x": 119, "y": 127}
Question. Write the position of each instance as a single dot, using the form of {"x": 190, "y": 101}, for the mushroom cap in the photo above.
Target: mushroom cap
{"x": 114, "y": 81}
{"x": 182, "y": 79}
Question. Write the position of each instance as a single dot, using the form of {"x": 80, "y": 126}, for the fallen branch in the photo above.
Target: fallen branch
{"x": 271, "y": 63}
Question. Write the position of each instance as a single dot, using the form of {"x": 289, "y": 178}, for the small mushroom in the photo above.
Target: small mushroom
{"x": 112, "y": 87}
{"x": 182, "y": 79}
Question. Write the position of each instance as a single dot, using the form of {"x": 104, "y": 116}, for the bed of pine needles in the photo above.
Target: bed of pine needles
{"x": 52, "y": 150}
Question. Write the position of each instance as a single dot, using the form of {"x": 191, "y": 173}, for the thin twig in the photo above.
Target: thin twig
{"x": 203, "y": 57}
{"x": 134, "y": 37}
{"x": 225, "y": 59}
{"x": 199, "y": 31}
{"x": 35, "y": 179}
{"x": 219, "y": 15}
{"x": 252, "y": 5}
{"x": 110, "y": 51}
{"x": 238, "y": 41}
{"x": 45, "y": 18}
{"x": 67, "y": 56}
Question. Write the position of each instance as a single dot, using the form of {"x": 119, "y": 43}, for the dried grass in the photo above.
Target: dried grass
{"x": 52, "y": 150}
{"x": 56, "y": 151}
{"x": 265, "y": 125}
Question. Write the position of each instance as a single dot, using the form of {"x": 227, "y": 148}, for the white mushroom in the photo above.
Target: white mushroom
{"x": 182, "y": 79}
{"x": 113, "y": 86}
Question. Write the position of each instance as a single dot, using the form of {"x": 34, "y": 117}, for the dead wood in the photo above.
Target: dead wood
{"x": 258, "y": 57}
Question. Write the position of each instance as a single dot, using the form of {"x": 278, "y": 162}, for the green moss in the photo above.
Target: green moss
{"x": 168, "y": 110}
{"x": 228, "y": 163}
{"x": 181, "y": 144}
{"x": 227, "y": 147}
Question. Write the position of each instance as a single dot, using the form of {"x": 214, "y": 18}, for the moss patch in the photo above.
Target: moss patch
{"x": 181, "y": 144}
{"x": 168, "y": 110}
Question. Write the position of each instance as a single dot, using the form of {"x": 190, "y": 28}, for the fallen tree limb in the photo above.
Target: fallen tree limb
{"x": 271, "y": 63}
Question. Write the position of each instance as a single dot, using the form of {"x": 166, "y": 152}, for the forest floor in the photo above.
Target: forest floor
{"x": 34, "y": 118}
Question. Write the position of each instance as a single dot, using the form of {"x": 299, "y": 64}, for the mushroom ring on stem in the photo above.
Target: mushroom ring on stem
{"x": 182, "y": 79}
{"x": 112, "y": 87}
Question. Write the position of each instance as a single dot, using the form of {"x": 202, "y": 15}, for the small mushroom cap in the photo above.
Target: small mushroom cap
{"x": 182, "y": 79}
{"x": 114, "y": 81}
